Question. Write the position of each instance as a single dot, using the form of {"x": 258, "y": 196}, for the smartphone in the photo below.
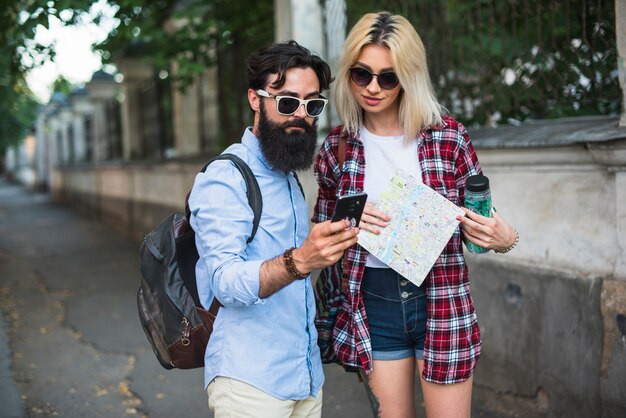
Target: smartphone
{"x": 350, "y": 207}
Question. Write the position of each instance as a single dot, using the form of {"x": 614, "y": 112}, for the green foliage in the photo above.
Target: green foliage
{"x": 19, "y": 111}
{"x": 521, "y": 59}
{"x": 61, "y": 85}
{"x": 188, "y": 33}
{"x": 19, "y": 53}
{"x": 517, "y": 59}
{"x": 180, "y": 38}
{"x": 19, "y": 21}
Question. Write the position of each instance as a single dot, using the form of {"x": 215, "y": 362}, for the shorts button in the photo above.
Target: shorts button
{"x": 404, "y": 295}
{"x": 403, "y": 282}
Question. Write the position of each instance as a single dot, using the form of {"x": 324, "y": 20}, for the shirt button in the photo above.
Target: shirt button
{"x": 358, "y": 190}
{"x": 404, "y": 295}
{"x": 403, "y": 282}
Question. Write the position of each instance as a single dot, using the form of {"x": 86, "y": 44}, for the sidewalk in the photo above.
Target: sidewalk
{"x": 75, "y": 347}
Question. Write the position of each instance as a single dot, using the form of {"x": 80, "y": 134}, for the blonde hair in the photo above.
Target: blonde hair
{"x": 418, "y": 104}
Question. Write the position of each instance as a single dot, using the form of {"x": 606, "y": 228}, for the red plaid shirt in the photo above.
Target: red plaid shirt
{"x": 453, "y": 343}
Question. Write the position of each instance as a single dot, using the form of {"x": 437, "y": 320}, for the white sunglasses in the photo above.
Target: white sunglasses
{"x": 288, "y": 105}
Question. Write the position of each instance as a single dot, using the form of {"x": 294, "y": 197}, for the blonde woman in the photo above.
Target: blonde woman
{"x": 386, "y": 327}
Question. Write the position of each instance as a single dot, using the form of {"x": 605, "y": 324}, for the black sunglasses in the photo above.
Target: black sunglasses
{"x": 288, "y": 105}
{"x": 362, "y": 77}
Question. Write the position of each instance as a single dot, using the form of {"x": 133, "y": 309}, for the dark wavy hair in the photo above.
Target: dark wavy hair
{"x": 280, "y": 57}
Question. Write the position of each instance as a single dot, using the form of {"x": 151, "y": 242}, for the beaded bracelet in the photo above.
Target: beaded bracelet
{"x": 506, "y": 250}
{"x": 291, "y": 266}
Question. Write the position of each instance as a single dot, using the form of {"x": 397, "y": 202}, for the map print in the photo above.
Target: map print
{"x": 422, "y": 222}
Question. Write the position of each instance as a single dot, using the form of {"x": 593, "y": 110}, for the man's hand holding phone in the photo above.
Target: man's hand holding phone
{"x": 328, "y": 240}
{"x": 324, "y": 245}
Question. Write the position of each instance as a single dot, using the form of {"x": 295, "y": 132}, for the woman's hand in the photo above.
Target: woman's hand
{"x": 373, "y": 219}
{"x": 492, "y": 233}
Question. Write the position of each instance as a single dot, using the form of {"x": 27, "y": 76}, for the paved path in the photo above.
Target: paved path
{"x": 70, "y": 340}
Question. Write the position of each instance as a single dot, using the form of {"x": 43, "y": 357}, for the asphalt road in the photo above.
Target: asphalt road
{"x": 70, "y": 340}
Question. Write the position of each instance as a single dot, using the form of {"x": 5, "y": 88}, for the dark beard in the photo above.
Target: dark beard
{"x": 287, "y": 151}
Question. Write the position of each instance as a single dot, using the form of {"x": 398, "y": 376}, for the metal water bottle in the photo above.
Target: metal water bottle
{"x": 478, "y": 200}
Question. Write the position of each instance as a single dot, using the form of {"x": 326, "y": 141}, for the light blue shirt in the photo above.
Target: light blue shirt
{"x": 269, "y": 343}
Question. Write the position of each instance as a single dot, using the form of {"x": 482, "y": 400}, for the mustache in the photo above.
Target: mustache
{"x": 296, "y": 123}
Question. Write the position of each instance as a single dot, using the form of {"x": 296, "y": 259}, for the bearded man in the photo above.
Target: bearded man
{"x": 263, "y": 359}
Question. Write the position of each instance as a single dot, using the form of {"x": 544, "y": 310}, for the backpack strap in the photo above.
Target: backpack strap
{"x": 253, "y": 191}
{"x": 341, "y": 152}
{"x": 341, "y": 157}
{"x": 215, "y": 307}
{"x": 299, "y": 184}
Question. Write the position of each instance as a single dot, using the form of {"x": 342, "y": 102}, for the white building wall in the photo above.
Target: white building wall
{"x": 564, "y": 204}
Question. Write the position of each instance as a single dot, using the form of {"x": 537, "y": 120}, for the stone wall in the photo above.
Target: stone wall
{"x": 132, "y": 198}
{"x": 552, "y": 311}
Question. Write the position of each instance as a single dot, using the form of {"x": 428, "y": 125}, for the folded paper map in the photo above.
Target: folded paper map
{"x": 422, "y": 223}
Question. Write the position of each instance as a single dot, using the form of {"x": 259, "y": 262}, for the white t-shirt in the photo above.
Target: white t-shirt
{"x": 384, "y": 155}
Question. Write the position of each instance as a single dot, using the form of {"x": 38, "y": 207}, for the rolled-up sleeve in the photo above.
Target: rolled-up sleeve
{"x": 222, "y": 220}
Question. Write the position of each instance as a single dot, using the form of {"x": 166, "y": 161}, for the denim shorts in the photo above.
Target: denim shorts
{"x": 396, "y": 313}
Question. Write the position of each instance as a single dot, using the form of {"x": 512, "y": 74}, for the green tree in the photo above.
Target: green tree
{"x": 20, "y": 53}
{"x": 18, "y": 111}
{"x": 187, "y": 35}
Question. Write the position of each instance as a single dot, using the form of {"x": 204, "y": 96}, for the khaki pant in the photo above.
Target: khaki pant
{"x": 230, "y": 398}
